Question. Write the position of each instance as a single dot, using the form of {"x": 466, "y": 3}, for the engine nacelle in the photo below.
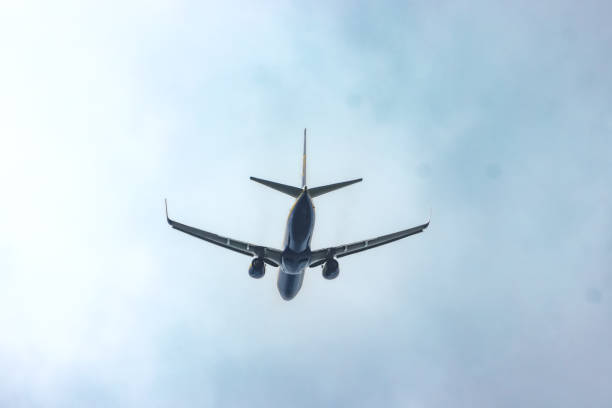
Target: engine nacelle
{"x": 257, "y": 269}
{"x": 331, "y": 270}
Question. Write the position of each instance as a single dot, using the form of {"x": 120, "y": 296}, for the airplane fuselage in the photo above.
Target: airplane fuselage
{"x": 296, "y": 246}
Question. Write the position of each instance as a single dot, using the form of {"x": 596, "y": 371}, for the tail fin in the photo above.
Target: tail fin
{"x": 313, "y": 192}
{"x": 304, "y": 162}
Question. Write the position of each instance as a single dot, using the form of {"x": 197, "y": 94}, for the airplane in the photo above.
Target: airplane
{"x": 296, "y": 254}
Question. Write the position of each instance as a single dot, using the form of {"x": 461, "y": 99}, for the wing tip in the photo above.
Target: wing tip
{"x": 428, "y": 219}
{"x": 166, "y": 205}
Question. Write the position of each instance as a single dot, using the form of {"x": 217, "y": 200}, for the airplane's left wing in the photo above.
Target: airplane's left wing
{"x": 270, "y": 255}
{"x": 320, "y": 256}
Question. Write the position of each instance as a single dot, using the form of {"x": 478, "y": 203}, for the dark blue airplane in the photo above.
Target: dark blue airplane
{"x": 296, "y": 255}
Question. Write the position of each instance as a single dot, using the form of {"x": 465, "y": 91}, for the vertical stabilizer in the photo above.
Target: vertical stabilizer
{"x": 304, "y": 162}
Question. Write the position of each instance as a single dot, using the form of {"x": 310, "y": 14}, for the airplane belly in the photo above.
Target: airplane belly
{"x": 300, "y": 224}
{"x": 289, "y": 284}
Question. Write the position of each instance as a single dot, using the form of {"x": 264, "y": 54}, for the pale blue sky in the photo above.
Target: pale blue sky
{"x": 496, "y": 115}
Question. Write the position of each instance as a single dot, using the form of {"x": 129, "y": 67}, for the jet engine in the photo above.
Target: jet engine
{"x": 331, "y": 269}
{"x": 257, "y": 269}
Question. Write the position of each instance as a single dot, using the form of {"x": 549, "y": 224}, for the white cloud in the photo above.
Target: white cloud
{"x": 108, "y": 108}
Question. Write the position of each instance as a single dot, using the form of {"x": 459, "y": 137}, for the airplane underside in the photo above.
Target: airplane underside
{"x": 289, "y": 284}
{"x": 296, "y": 256}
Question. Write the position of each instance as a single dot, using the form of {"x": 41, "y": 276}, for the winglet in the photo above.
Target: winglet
{"x": 167, "y": 218}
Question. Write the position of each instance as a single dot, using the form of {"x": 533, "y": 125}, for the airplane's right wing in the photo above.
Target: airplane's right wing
{"x": 320, "y": 256}
{"x": 270, "y": 255}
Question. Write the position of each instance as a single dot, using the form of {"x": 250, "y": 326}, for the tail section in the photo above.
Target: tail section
{"x": 283, "y": 188}
{"x": 317, "y": 191}
{"x": 313, "y": 192}
{"x": 304, "y": 162}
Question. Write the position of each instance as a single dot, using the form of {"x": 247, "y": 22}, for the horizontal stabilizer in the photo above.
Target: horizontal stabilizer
{"x": 317, "y": 191}
{"x": 283, "y": 188}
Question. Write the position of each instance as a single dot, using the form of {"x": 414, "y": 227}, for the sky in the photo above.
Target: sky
{"x": 496, "y": 115}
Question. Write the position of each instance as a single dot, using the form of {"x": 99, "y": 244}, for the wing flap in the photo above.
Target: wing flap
{"x": 212, "y": 238}
{"x": 320, "y": 256}
{"x": 270, "y": 255}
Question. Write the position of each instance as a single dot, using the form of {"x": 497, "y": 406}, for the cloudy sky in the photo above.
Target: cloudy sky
{"x": 498, "y": 115}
